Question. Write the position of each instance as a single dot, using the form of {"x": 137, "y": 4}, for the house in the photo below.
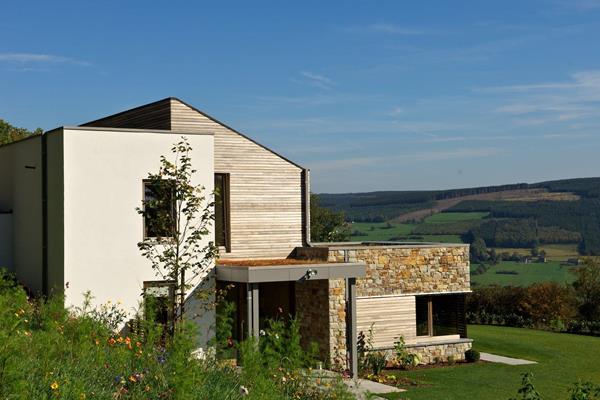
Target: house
{"x": 68, "y": 222}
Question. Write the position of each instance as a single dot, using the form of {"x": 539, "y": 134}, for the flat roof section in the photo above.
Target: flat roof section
{"x": 291, "y": 272}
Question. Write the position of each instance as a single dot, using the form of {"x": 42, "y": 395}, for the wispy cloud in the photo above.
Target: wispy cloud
{"x": 392, "y": 29}
{"x": 316, "y": 80}
{"x": 551, "y": 102}
{"x": 396, "y": 111}
{"x": 38, "y": 59}
{"x": 355, "y": 162}
{"x": 578, "y": 5}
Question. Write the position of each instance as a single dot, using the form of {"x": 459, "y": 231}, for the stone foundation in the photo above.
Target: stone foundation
{"x": 434, "y": 353}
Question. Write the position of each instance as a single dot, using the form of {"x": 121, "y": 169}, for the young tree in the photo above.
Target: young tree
{"x": 180, "y": 216}
{"x": 327, "y": 225}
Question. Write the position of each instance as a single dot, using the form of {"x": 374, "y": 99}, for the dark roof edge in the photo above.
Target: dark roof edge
{"x": 126, "y": 111}
{"x": 236, "y": 131}
{"x": 202, "y": 113}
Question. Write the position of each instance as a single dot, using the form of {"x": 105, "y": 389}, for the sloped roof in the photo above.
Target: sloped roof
{"x": 157, "y": 115}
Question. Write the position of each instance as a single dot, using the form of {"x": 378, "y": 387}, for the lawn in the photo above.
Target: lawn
{"x": 448, "y": 217}
{"x": 528, "y": 274}
{"x": 563, "y": 359}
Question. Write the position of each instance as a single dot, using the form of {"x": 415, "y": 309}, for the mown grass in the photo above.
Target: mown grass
{"x": 527, "y": 274}
{"x": 449, "y": 217}
{"x": 563, "y": 360}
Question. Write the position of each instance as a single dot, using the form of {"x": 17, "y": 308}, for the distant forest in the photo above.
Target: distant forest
{"x": 509, "y": 224}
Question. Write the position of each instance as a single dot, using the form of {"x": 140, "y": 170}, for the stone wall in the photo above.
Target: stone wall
{"x": 314, "y": 322}
{"x": 395, "y": 270}
{"x": 434, "y": 353}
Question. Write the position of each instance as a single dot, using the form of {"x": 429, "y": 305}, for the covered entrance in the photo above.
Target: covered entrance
{"x": 297, "y": 288}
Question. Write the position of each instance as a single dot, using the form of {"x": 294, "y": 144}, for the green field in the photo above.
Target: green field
{"x": 379, "y": 231}
{"x": 555, "y": 252}
{"x": 563, "y": 359}
{"x": 448, "y": 217}
{"x": 528, "y": 274}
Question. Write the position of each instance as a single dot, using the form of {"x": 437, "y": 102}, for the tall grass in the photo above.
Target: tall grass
{"x": 47, "y": 352}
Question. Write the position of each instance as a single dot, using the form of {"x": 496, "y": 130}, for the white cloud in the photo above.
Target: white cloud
{"x": 551, "y": 102}
{"x": 31, "y": 58}
{"x": 396, "y": 111}
{"x": 317, "y": 80}
{"x": 356, "y": 162}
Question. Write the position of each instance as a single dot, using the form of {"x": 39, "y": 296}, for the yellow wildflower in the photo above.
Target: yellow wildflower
{"x": 54, "y": 385}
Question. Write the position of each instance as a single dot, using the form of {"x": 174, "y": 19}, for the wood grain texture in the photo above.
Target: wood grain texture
{"x": 391, "y": 317}
{"x": 265, "y": 189}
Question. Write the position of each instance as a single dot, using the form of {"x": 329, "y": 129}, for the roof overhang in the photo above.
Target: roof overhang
{"x": 287, "y": 273}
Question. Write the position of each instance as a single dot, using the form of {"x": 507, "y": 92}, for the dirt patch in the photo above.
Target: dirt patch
{"x": 507, "y": 195}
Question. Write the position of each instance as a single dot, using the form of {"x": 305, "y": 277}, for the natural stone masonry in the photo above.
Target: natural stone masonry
{"x": 435, "y": 353}
{"x": 394, "y": 270}
{"x": 397, "y": 270}
{"x": 314, "y": 322}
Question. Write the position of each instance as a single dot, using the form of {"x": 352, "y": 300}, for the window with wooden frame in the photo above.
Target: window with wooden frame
{"x": 159, "y": 209}
{"x": 441, "y": 315}
{"x": 222, "y": 212}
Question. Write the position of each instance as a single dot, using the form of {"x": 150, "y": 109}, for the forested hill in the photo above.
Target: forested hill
{"x": 386, "y": 205}
{"x": 518, "y": 215}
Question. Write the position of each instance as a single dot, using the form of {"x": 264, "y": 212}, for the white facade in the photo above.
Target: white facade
{"x": 94, "y": 182}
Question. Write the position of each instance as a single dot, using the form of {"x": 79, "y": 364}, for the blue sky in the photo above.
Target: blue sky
{"x": 369, "y": 95}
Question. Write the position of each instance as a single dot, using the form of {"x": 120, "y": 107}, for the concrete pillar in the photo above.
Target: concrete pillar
{"x": 252, "y": 317}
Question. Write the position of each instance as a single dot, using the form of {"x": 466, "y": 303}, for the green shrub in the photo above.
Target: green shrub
{"x": 377, "y": 361}
{"x": 47, "y": 352}
{"x": 403, "y": 357}
{"x": 472, "y": 355}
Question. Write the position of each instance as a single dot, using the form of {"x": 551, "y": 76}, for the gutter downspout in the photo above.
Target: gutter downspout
{"x": 305, "y": 179}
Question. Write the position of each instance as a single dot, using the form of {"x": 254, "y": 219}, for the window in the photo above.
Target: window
{"x": 441, "y": 315}
{"x": 159, "y": 209}
{"x": 159, "y": 302}
{"x": 222, "y": 227}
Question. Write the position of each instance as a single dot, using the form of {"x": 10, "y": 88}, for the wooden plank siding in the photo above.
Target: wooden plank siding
{"x": 265, "y": 189}
{"x": 266, "y": 207}
{"x": 391, "y": 317}
{"x": 151, "y": 116}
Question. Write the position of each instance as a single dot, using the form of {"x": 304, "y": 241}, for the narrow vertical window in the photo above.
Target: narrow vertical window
{"x": 222, "y": 226}
{"x": 159, "y": 209}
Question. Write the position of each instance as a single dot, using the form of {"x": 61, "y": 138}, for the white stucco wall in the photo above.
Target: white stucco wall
{"x": 103, "y": 173}
{"x": 21, "y": 192}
